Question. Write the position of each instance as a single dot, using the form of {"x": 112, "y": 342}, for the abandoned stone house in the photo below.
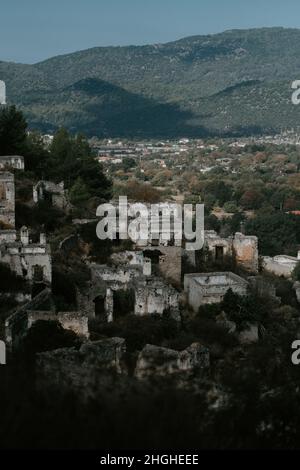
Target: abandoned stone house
{"x": 41, "y": 307}
{"x": 32, "y": 261}
{"x": 209, "y": 288}
{"x": 165, "y": 252}
{"x": 51, "y": 192}
{"x": 243, "y": 248}
{"x": 11, "y": 161}
{"x": 118, "y": 290}
{"x": 159, "y": 261}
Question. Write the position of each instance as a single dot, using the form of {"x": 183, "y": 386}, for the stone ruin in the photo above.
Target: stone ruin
{"x": 209, "y": 288}
{"x": 243, "y": 248}
{"x": 166, "y": 262}
{"x": 11, "y": 161}
{"x": 166, "y": 254}
{"x": 32, "y": 261}
{"x": 281, "y": 265}
{"x": 54, "y": 193}
{"x": 158, "y": 361}
{"x": 7, "y": 200}
{"x": 145, "y": 294}
{"x": 41, "y": 307}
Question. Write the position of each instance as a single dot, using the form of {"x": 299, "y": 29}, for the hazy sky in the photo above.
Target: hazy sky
{"x": 33, "y": 30}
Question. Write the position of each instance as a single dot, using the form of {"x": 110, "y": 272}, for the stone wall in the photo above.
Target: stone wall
{"x": 243, "y": 248}
{"x": 156, "y": 298}
{"x": 169, "y": 262}
{"x": 55, "y": 192}
{"x": 16, "y": 325}
{"x": 12, "y": 161}
{"x": 152, "y": 294}
{"x": 73, "y": 321}
{"x": 41, "y": 307}
{"x": 7, "y": 199}
{"x": 8, "y": 236}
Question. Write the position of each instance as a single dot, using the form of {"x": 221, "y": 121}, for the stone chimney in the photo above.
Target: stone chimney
{"x": 24, "y": 235}
{"x": 43, "y": 240}
{"x": 147, "y": 267}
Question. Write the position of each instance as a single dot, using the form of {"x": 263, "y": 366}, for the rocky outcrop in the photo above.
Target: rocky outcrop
{"x": 158, "y": 361}
{"x": 82, "y": 371}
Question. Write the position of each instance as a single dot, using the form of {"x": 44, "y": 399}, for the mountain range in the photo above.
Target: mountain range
{"x": 233, "y": 83}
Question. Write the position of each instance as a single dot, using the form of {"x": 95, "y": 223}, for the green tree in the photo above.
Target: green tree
{"x": 230, "y": 206}
{"x": 221, "y": 191}
{"x": 81, "y": 147}
{"x": 277, "y": 233}
{"x": 35, "y": 154}
{"x": 12, "y": 131}
{"x": 61, "y": 147}
{"x": 72, "y": 159}
{"x": 79, "y": 193}
{"x": 128, "y": 163}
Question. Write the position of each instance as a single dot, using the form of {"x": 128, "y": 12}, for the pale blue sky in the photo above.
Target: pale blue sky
{"x": 33, "y": 30}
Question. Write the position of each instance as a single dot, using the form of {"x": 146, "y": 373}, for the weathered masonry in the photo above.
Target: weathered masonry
{"x": 11, "y": 161}
{"x": 243, "y": 248}
{"x": 118, "y": 290}
{"x": 7, "y": 200}
{"x": 281, "y": 265}
{"x": 51, "y": 192}
{"x": 42, "y": 308}
{"x": 210, "y": 288}
{"x": 32, "y": 261}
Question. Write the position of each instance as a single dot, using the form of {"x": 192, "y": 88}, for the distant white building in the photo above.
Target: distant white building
{"x": 2, "y": 92}
{"x": 281, "y": 265}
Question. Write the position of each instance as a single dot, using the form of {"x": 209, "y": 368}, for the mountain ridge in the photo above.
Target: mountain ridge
{"x": 195, "y": 75}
